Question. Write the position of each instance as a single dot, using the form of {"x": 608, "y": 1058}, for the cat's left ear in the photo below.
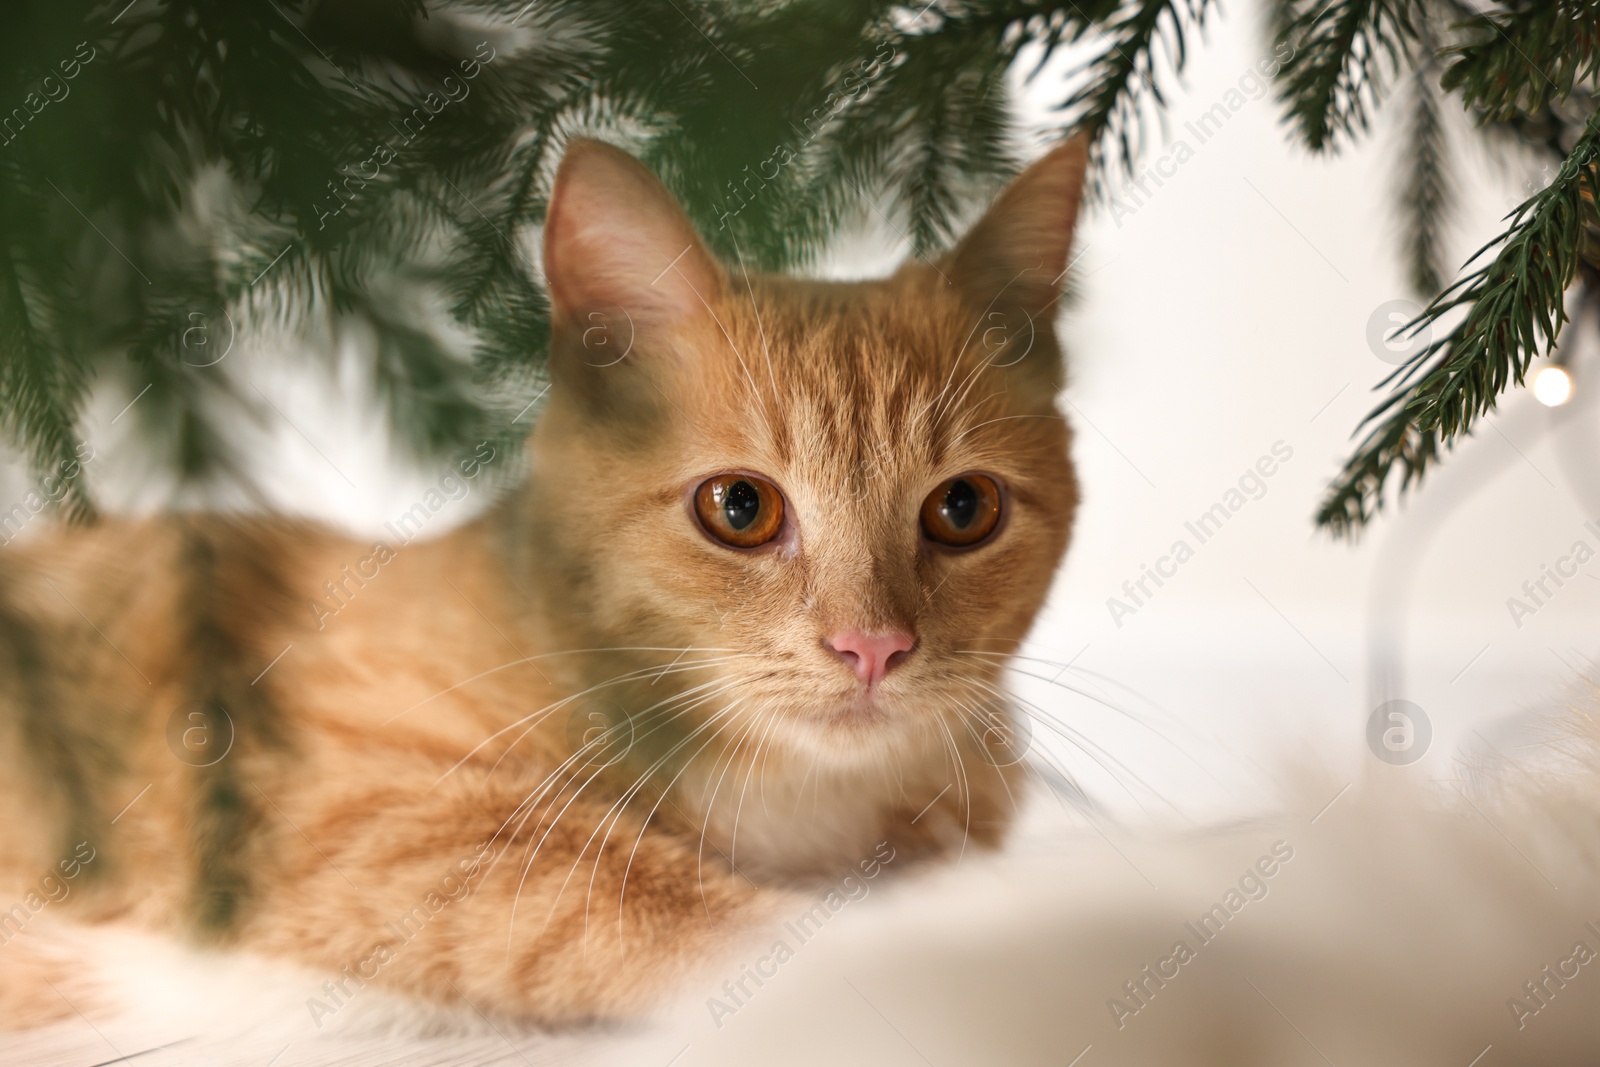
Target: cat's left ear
{"x": 615, "y": 239}
{"x": 1017, "y": 252}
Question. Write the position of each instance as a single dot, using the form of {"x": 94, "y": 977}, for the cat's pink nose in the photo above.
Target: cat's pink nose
{"x": 871, "y": 655}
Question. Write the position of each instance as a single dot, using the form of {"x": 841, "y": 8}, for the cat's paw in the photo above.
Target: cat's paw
{"x": 43, "y": 981}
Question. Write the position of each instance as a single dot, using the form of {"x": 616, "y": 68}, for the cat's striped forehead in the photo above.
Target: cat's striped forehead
{"x": 866, "y": 375}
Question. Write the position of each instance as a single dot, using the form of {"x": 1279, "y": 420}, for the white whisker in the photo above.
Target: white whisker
{"x": 529, "y": 659}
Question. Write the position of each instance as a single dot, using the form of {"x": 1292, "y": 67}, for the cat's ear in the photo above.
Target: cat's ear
{"x": 1017, "y": 252}
{"x": 615, "y": 239}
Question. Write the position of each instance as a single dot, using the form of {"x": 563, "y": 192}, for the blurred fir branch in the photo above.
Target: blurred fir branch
{"x": 1425, "y": 188}
{"x": 173, "y": 170}
{"x": 1518, "y": 59}
{"x": 1525, "y": 72}
{"x": 1343, "y": 51}
{"x": 377, "y": 169}
{"x": 1514, "y": 309}
{"x": 1122, "y": 80}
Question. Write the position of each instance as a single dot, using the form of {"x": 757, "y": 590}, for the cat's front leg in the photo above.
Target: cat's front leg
{"x": 559, "y": 911}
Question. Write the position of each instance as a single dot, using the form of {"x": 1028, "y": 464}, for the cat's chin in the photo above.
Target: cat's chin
{"x": 861, "y": 712}
{"x": 855, "y": 728}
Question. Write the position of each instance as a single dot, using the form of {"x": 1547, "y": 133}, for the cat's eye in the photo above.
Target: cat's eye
{"x": 961, "y": 511}
{"x": 740, "y": 510}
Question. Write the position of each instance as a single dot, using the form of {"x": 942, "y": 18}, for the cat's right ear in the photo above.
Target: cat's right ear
{"x": 616, "y": 244}
{"x": 1016, "y": 254}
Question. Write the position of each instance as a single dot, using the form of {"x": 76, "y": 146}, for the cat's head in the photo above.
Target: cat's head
{"x": 831, "y": 507}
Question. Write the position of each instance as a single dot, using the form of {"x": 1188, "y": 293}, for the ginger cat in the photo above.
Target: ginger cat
{"x": 742, "y": 629}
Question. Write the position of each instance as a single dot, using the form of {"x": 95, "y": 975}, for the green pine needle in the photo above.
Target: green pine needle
{"x": 1342, "y": 51}
{"x": 1514, "y": 310}
{"x": 1121, "y": 82}
{"x": 216, "y": 159}
{"x": 1425, "y": 193}
{"x": 1522, "y": 59}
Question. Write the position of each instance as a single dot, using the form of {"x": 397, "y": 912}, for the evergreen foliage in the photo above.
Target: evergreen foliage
{"x": 380, "y": 166}
{"x": 1525, "y": 72}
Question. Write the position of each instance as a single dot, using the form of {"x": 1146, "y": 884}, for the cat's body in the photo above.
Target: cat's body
{"x": 546, "y": 762}
{"x": 327, "y": 817}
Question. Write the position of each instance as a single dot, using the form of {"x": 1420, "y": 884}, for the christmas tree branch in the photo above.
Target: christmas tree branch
{"x": 1425, "y": 187}
{"x": 41, "y": 384}
{"x": 1514, "y": 309}
{"x": 1522, "y": 59}
{"x": 1110, "y": 103}
{"x": 1340, "y": 49}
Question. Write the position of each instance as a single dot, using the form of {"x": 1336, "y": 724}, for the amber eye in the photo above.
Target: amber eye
{"x": 740, "y": 510}
{"x": 962, "y": 511}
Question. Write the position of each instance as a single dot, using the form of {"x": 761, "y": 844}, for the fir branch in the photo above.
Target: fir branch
{"x": 953, "y": 138}
{"x": 1527, "y": 57}
{"x": 288, "y": 101}
{"x": 1514, "y": 309}
{"x": 41, "y": 392}
{"x": 1425, "y": 194}
{"x": 1110, "y": 104}
{"x": 1341, "y": 48}
{"x": 43, "y": 383}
